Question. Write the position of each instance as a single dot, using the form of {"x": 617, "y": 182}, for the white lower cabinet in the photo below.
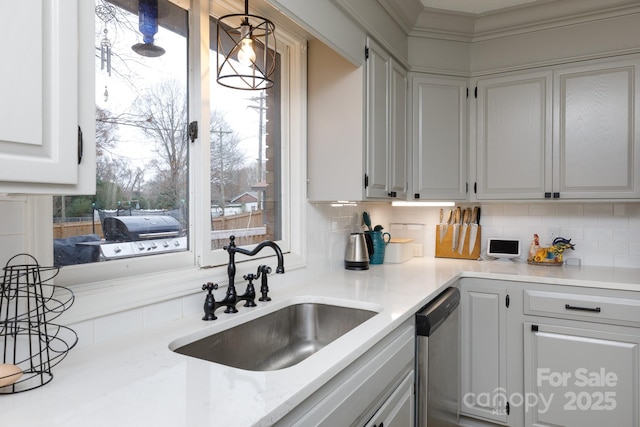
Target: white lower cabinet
{"x": 483, "y": 314}
{"x": 580, "y": 376}
{"x": 398, "y": 410}
{"x": 540, "y": 355}
{"x": 375, "y": 390}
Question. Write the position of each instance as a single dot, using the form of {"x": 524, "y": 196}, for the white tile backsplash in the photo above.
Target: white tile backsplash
{"x": 605, "y": 234}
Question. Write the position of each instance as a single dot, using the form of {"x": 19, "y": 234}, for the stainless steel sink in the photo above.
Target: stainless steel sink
{"x": 279, "y": 339}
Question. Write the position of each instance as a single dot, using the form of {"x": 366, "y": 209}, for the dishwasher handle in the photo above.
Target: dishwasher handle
{"x": 431, "y": 316}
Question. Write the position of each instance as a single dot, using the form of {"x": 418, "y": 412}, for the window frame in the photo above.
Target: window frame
{"x": 133, "y": 282}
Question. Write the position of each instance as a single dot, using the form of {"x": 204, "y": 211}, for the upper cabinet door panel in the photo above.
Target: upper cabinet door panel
{"x": 514, "y": 148}
{"x": 398, "y": 132}
{"x": 595, "y": 131}
{"x": 439, "y": 138}
{"x": 377, "y": 120}
{"x": 39, "y": 91}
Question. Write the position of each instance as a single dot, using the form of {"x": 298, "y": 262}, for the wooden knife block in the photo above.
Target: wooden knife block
{"x": 443, "y": 249}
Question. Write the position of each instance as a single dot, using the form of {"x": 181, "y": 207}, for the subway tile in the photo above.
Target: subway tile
{"x": 116, "y": 325}
{"x": 542, "y": 210}
{"x": 627, "y": 261}
{"x": 13, "y": 214}
{"x": 613, "y": 247}
{"x": 598, "y": 209}
{"x": 626, "y": 235}
{"x": 84, "y": 330}
{"x": 596, "y": 234}
{"x": 570, "y": 209}
{"x": 193, "y": 303}
{"x": 516, "y": 209}
{"x": 162, "y": 312}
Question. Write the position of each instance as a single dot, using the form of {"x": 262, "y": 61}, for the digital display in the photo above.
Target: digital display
{"x": 503, "y": 248}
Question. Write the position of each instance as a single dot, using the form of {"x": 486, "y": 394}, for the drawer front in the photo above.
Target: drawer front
{"x": 595, "y": 308}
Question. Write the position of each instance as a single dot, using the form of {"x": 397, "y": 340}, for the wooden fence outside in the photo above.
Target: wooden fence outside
{"x": 62, "y": 230}
{"x": 249, "y": 220}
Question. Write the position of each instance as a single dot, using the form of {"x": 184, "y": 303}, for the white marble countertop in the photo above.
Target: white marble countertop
{"x": 138, "y": 381}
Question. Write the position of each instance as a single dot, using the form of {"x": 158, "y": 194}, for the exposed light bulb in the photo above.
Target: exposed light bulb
{"x": 246, "y": 54}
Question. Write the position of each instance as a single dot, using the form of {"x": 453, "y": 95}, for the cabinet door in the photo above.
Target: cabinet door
{"x": 398, "y": 132}
{"x": 439, "y": 138}
{"x": 39, "y": 138}
{"x": 596, "y": 134}
{"x": 514, "y": 150}
{"x": 580, "y": 377}
{"x": 377, "y": 120}
{"x": 484, "y": 352}
{"x": 398, "y": 409}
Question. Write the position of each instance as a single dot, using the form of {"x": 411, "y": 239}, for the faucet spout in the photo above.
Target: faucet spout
{"x": 232, "y": 248}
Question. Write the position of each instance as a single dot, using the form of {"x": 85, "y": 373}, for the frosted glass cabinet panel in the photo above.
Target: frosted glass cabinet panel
{"x": 596, "y": 131}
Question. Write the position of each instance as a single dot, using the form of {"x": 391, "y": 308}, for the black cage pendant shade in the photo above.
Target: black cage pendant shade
{"x": 246, "y": 51}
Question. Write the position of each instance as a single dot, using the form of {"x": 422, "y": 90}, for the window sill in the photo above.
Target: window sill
{"x": 93, "y": 300}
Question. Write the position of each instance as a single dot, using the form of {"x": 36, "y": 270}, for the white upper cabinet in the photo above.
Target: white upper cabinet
{"x": 596, "y": 131}
{"x": 513, "y": 136}
{"x": 398, "y": 170}
{"x": 385, "y": 135}
{"x": 567, "y": 133}
{"x": 439, "y": 134}
{"x": 47, "y": 132}
{"x": 357, "y": 126}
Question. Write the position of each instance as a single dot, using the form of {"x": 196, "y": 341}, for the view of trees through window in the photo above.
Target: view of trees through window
{"x": 141, "y": 205}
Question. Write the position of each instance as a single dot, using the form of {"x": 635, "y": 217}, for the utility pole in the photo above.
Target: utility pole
{"x": 221, "y": 132}
{"x": 261, "y": 108}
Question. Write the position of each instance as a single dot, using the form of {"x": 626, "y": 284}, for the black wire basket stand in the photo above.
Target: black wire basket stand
{"x": 29, "y": 302}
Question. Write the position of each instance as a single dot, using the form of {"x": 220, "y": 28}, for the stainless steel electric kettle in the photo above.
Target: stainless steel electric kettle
{"x": 357, "y": 253}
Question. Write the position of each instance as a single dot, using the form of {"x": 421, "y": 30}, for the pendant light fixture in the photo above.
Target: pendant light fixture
{"x": 148, "y": 26}
{"x": 246, "y": 51}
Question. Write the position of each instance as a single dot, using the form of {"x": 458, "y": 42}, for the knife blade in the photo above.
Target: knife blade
{"x": 466, "y": 218}
{"x": 446, "y": 224}
{"x": 475, "y": 219}
{"x": 456, "y": 229}
{"x": 441, "y": 225}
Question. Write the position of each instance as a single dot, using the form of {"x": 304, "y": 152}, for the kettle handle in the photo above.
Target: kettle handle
{"x": 386, "y": 237}
{"x": 369, "y": 240}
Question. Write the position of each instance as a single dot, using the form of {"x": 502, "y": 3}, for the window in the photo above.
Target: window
{"x": 245, "y": 172}
{"x": 142, "y": 216}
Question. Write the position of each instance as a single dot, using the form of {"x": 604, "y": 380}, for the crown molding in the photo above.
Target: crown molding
{"x": 464, "y": 27}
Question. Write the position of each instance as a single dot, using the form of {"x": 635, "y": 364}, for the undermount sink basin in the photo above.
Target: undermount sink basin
{"x": 279, "y": 339}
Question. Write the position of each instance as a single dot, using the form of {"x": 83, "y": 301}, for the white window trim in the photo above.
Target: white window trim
{"x": 135, "y": 282}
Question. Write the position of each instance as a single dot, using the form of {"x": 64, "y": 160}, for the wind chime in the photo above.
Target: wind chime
{"x": 106, "y": 13}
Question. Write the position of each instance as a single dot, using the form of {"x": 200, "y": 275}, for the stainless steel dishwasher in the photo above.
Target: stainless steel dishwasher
{"x": 438, "y": 361}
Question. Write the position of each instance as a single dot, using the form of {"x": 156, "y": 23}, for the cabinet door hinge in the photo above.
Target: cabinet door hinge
{"x": 534, "y": 328}
{"x": 80, "y": 144}
{"x": 507, "y": 301}
{"x": 475, "y": 188}
{"x": 366, "y": 52}
{"x": 193, "y": 131}
{"x": 467, "y": 92}
{"x": 466, "y": 187}
{"x": 475, "y": 93}
{"x": 508, "y": 408}
{"x": 366, "y": 180}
